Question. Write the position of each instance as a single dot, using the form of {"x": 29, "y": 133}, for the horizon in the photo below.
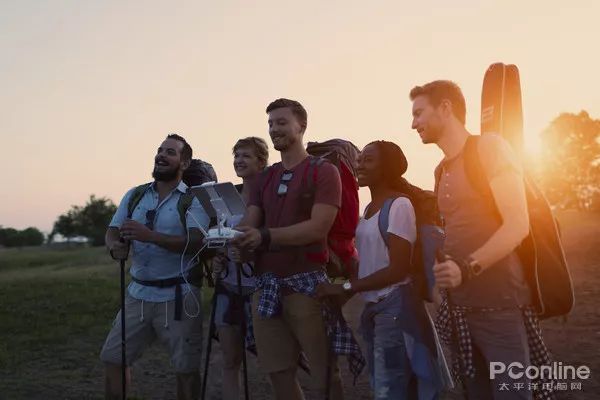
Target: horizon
{"x": 90, "y": 90}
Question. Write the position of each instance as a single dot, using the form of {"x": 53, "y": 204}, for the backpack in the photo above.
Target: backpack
{"x": 197, "y": 173}
{"x": 340, "y": 239}
{"x": 430, "y": 237}
{"x": 541, "y": 252}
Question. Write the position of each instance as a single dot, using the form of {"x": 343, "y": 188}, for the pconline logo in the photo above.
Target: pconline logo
{"x": 556, "y": 370}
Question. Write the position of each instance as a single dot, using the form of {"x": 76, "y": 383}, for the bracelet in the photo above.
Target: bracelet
{"x": 265, "y": 238}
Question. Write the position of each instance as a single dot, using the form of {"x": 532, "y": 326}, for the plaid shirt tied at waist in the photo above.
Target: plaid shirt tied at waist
{"x": 340, "y": 335}
{"x": 462, "y": 363}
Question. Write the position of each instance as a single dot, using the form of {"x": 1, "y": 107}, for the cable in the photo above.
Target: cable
{"x": 190, "y": 262}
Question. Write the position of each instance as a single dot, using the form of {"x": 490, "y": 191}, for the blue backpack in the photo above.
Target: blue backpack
{"x": 430, "y": 237}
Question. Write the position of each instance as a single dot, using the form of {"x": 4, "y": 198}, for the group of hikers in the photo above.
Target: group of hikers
{"x": 292, "y": 307}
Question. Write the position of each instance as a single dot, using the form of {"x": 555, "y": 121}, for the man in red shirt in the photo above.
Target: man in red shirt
{"x": 292, "y": 207}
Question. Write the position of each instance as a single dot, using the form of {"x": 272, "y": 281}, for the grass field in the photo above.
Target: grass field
{"x": 56, "y": 307}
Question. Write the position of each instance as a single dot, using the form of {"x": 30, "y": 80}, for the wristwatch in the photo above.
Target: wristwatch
{"x": 347, "y": 286}
{"x": 474, "y": 266}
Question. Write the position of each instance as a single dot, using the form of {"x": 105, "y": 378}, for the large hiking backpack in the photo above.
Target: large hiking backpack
{"x": 342, "y": 251}
{"x": 542, "y": 254}
{"x": 197, "y": 173}
{"x": 430, "y": 237}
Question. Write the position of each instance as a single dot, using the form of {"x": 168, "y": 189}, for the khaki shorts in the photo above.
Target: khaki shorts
{"x": 300, "y": 327}
{"x": 182, "y": 338}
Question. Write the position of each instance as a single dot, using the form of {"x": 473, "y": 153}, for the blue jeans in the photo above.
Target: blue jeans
{"x": 391, "y": 328}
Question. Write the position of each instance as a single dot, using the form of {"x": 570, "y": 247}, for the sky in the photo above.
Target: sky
{"x": 89, "y": 89}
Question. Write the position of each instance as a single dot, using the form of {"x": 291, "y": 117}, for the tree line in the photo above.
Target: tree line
{"x": 10, "y": 237}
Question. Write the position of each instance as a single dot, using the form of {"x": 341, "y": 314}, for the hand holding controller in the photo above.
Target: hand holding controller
{"x": 218, "y": 237}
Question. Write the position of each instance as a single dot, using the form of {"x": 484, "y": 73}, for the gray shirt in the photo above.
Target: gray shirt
{"x": 470, "y": 220}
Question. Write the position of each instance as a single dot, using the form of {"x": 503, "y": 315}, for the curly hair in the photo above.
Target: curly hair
{"x": 258, "y": 145}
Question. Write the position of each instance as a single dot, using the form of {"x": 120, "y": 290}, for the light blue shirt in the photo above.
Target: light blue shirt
{"x": 152, "y": 262}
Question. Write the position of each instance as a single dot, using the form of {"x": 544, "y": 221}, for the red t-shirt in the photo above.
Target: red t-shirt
{"x": 294, "y": 207}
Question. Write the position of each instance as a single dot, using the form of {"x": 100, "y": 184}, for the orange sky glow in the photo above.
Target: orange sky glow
{"x": 90, "y": 88}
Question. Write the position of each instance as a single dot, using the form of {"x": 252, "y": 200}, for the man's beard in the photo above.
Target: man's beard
{"x": 434, "y": 134}
{"x": 285, "y": 144}
{"x": 165, "y": 176}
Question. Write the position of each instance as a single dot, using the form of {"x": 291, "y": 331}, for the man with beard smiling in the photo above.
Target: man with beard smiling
{"x": 291, "y": 209}
{"x": 159, "y": 304}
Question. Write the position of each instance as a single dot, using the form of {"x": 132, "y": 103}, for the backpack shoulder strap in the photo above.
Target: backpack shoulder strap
{"x": 384, "y": 219}
{"x": 264, "y": 178}
{"x": 183, "y": 205}
{"x": 312, "y": 170}
{"x": 474, "y": 167}
{"x": 136, "y": 197}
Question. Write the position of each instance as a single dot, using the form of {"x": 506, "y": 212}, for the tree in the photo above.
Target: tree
{"x": 570, "y": 168}
{"x": 11, "y": 237}
{"x": 90, "y": 220}
{"x": 65, "y": 225}
{"x": 93, "y": 219}
{"x": 31, "y": 237}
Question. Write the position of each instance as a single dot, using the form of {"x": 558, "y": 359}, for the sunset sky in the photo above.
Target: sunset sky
{"x": 89, "y": 89}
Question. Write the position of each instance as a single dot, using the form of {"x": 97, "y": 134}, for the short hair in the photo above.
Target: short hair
{"x": 297, "y": 109}
{"x": 440, "y": 90}
{"x": 186, "y": 153}
{"x": 258, "y": 145}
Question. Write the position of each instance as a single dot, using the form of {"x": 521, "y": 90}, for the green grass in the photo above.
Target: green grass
{"x": 32, "y": 257}
{"x": 56, "y": 307}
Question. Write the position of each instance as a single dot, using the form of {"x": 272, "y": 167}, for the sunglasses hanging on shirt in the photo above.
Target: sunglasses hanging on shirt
{"x": 150, "y": 216}
{"x": 286, "y": 177}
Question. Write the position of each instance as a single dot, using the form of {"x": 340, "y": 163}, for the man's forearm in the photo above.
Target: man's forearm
{"x": 504, "y": 241}
{"x": 300, "y": 234}
{"x": 378, "y": 280}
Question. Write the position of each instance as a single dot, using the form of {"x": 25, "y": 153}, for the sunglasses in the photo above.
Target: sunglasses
{"x": 150, "y": 216}
{"x": 286, "y": 177}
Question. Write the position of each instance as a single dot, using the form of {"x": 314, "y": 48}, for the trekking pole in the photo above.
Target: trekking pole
{"x": 211, "y": 332}
{"x": 455, "y": 348}
{"x": 123, "y": 332}
{"x": 243, "y": 329}
{"x": 123, "y": 341}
